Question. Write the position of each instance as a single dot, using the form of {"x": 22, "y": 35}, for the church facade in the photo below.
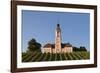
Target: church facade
{"x": 58, "y": 47}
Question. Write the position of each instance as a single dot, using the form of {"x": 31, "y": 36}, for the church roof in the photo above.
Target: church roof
{"x": 48, "y": 45}
{"x": 67, "y": 45}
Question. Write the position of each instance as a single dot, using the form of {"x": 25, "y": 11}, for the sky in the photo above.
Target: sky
{"x": 41, "y": 25}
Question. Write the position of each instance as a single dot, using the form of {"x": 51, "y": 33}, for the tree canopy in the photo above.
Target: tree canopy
{"x": 33, "y": 45}
{"x": 81, "y": 48}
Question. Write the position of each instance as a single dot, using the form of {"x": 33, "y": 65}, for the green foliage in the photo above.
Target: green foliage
{"x": 82, "y": 48}
{"x": 38, "y": 56}
{"x": 58, "y": 56}
{"x": 33, "y": 45}
{"x": 53, "y": 57}
{"x": 63, "y": 55}
{"x": 70, "y": 57}
{"x": 47, "y": 57}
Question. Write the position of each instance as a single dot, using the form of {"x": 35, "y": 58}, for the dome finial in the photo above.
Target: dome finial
{"x": 58, "y": 25}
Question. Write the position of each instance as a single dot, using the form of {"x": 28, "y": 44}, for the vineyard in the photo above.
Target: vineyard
{"x": 38, "y": 56}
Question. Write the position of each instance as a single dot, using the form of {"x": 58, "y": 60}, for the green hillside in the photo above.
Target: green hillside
{"x": 38, "y": 56}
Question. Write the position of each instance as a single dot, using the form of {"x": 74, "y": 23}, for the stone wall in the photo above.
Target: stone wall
{"x": 63, "y": 50}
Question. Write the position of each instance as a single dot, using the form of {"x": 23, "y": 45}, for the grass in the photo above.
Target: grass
{"x": 38, "y": 57}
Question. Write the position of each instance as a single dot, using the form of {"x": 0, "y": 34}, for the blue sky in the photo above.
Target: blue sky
{"x": 41, "y": 26}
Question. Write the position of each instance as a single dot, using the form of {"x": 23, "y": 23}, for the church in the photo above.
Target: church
{"x": 58, "y": 47}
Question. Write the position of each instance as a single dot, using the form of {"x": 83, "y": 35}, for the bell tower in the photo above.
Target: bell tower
{"x": 58, "y": 39}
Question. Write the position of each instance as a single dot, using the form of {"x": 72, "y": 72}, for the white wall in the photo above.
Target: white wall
{"x": 5, "y": 36}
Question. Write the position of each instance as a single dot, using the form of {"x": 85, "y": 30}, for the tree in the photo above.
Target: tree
{"x": 76, "y": 49}
{"x": 33, "y": 45}
{"x": 82, "y": 48}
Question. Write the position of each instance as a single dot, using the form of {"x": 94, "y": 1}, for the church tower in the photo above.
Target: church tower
{"x": 58, "y": 39}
